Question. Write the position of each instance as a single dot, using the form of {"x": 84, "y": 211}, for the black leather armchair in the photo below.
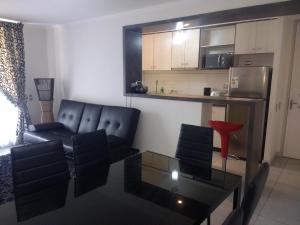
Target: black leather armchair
{"x": 74, "y": 117}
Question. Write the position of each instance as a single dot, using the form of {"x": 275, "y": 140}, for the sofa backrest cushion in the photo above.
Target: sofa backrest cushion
{"x": 119, "y": 121}
{"x": 90, "y": 118}
{"x": 69, "y": 114}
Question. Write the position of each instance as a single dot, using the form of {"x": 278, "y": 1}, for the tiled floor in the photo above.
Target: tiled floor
{"x": 280, "y": 202}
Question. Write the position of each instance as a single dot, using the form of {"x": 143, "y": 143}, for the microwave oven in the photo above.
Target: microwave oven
{"x": 217, "y": 61}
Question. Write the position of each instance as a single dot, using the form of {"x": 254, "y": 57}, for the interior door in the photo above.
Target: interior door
{"x": 291, "y": 144}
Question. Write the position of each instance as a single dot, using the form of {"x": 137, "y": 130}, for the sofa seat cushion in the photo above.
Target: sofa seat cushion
{"x": 62, "y": 133}
{"x": 114, "y": 141}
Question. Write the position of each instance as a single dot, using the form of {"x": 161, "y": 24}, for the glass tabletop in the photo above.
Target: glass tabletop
{"x": 147, "y": 188}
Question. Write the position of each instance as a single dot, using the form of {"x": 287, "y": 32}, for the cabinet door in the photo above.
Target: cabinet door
{"x": 265, "y": 36}
{"x": 191, "y": 53}
{"x": 162, "y": 51}
{"x": 178, "y": 46}
{"x": 147, "y": 51}
{"x": 245, "y": 38}
{"x": 218, "y": 113}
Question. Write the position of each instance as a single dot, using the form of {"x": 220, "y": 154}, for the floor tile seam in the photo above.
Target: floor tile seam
{"x": 268, "y": 195}
{"x": 277, "y": 221}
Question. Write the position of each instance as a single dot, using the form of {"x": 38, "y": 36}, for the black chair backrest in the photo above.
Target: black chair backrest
{"x": 41, "y": 202}
{"x": 254, "y": 192}
{"x": 195, "y": 143}
{"x": 90, "y": 150}
{"x": 234, "y": 218}
{"x": 91, "y": 181}
{"x": 37, "y": 166}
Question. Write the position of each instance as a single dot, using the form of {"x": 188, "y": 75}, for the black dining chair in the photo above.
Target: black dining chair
{"x": 195, "y": 144}
{"x": 41, "y": 202}
{"x": 242, "y": 215}
{"x": 37, "y": 166}
{"x": 254, "y": 192}
{"x": 88, "y": 182}
{"x": 90, "y": 152}
{"x": 234, "y": 218}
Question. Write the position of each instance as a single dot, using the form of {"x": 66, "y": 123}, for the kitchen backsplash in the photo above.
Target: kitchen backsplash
{"x": 185, "y": 82}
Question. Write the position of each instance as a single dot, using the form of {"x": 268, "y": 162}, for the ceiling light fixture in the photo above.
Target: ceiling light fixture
{"x": 179, "y": 25}
{"x": 179, "y": 202}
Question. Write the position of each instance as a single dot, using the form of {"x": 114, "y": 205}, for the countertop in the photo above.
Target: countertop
{"x": 198, "y": 98}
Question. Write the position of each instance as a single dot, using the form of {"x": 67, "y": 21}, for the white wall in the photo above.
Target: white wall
{"x": 93, "y": 69}
{"x": 36, "y": 64}
{"x": 40, "y": 61}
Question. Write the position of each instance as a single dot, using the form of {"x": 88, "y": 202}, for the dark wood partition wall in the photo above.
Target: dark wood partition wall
{"x": 132, "y": 34}
{"x": 132, "y": 53}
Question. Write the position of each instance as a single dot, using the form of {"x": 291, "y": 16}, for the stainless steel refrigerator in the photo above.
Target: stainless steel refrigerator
{"x": 247, "y": 82}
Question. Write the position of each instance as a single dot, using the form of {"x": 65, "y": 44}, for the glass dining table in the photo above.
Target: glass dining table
{"x": 144, "y": 189}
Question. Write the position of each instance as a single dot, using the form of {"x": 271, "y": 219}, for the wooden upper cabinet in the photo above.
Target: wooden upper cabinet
{"x": 156, "y": 51}
{"x": 147, "y": 51}
{"x": 162, "y": 51}
{"x": 255, "y": 37}
{"x": 178, "y": 48}
{"x": 245, "y": 38}
{"x": 191, "y": 53}
{"x": 185, "y": 49}
{"x": 265, "y": 36}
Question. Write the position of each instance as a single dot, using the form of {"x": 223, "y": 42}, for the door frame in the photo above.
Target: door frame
{"x": 288, "y": 90}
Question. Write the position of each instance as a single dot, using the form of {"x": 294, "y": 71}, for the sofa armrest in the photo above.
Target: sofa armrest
{"x": 45, "y": 126}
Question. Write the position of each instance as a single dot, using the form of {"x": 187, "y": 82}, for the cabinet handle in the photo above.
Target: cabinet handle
{"x": 248, "y": 63}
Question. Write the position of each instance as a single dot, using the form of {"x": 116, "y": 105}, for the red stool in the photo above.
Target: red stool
{"x": 224, "y": 129}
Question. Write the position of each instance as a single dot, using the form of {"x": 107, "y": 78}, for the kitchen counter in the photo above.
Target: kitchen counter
{"x": 198, "y": 98}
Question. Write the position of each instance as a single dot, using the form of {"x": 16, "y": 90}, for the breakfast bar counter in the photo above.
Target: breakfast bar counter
{"x": 198, "y": 98}
{"x": 254, "y": 144}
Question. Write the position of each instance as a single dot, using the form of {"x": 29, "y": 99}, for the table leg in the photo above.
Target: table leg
{"x": 237, "y": 196}
{"x": 208, "y": 220}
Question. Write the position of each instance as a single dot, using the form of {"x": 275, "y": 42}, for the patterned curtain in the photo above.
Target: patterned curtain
{"x": 12, "y": 71}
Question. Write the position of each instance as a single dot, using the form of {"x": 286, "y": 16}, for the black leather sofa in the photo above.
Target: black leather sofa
{"x": 74, "y": 117}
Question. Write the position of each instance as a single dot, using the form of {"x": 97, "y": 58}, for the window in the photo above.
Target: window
{"x": 8, "y": 121}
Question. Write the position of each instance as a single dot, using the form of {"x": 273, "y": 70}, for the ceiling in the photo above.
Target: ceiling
{"x": 63, "y": 11}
